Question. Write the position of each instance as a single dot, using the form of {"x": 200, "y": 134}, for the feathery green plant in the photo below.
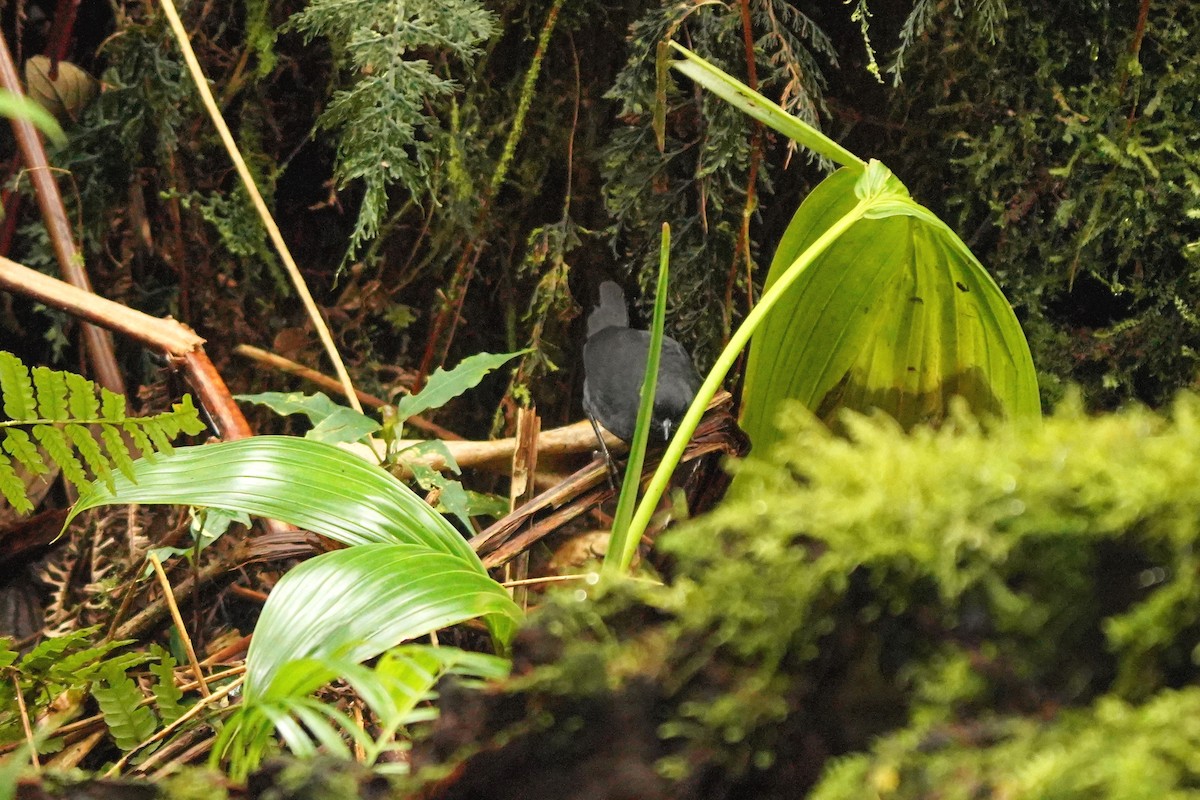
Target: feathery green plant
{"x": 57, "y": 408}
{"x": 60, "y": 672}
{"x": 388, "y": 134}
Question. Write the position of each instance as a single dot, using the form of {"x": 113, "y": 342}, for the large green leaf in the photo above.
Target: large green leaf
{"x": 871, "y": 302}
{"x": 356, "y": 603}
{"x": 895, "y": 314}
{"x": 310, "y": 484}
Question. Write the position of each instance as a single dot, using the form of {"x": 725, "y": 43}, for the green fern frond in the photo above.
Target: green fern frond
{"x": 387, "y": 134}
{"x": 49, "y": 652}
{"x": 70, "y": 422}
{"x": 83, "y": 664}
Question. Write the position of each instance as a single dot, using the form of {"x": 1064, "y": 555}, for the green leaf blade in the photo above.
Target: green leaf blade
{"x": 357, "y": 603}
{"x": 306, "y": 483}
{"x": 896, "y": 314}
{"x": 20, "y": 107}
{"x": 760, "y": 108}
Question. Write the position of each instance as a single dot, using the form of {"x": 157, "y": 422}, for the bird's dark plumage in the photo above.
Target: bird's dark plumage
{"x": 614, "y": 363}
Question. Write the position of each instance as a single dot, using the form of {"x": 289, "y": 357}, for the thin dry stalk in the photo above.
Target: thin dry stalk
{"x": 175, "y": 615}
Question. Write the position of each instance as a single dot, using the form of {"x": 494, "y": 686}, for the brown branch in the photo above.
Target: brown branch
{"x": 1135, "y": 49}
{"x": 97, "y": 340}
{"x": 167, "y": 335}
{"x": 215, "y": 397}
{"x": 741, "y": 253}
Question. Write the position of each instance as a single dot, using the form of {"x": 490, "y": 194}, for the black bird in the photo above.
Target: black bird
{"x": 614, "y": 363}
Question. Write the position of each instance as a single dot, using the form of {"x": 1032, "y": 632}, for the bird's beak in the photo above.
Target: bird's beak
{"x": 666, "y": 428}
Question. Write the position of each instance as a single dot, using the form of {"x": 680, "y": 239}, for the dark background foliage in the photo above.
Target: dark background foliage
{"x": 1059, "y": 141}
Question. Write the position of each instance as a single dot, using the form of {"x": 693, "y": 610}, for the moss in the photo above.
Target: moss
{"x": 950, "y": 590}
{"x": 1062, "y": 144}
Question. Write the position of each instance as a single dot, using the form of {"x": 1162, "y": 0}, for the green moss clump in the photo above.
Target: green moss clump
{"x": 1110, "y": 750}
{"x": 951, "y": 590}
{"x": 1061, "y": 142}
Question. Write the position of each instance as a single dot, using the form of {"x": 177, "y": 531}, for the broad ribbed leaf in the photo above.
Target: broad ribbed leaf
{"x": 354, "y": 604}
{"x": 310, "y": 484}
{"x": 896, "y": 314}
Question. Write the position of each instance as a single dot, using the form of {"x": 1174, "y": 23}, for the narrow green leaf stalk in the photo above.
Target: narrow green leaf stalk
{"x": 622, "y": 545}
{"x": 760, "y": 108}
{"x": 658, "y": 483}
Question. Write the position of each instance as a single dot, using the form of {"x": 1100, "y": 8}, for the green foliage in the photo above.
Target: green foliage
{"x": 398, "y": 689}
{"x": 444, "y": 386}
{"x": 59, "y": 675}
{"x": 332, "y": 423}
{"x": 57, "y": 672}
{"x": 983, "y": 17}
{"x": 58, "y": 406}
{"x": 405, "y": 573}
{"x": 1110, "y": 751}
{"x": 310, "y": 484}
{"x": 1066, "y": 139}
{"x": 699, "y": 182}
{"x": 387, "y": 133}
{"x": 129, "y": 722}
{"x": 167, "y": 695}
{"x": 871, "y": 302}
{"x": 624, "y": 541}
{"x": 895, "y": 314}
{"x": 931, "y": 582}
{"x": 356, "y": 603}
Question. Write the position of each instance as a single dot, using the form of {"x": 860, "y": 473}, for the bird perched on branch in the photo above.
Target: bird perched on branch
{"x": 614, "y": 364}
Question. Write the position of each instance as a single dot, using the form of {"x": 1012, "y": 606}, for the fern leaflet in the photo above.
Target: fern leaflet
{"x": 166, "y": 693}
{"x": 129, "y": 722}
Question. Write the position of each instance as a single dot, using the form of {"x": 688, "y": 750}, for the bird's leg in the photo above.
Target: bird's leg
{"x": 612, "y": 467}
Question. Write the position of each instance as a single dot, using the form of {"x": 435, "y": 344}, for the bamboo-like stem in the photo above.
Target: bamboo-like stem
{"x": 175, "y": 615}
{"x": 435, "y": 348}
{"x": 33, "y": 754}
{"x": 260, "y": 205}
